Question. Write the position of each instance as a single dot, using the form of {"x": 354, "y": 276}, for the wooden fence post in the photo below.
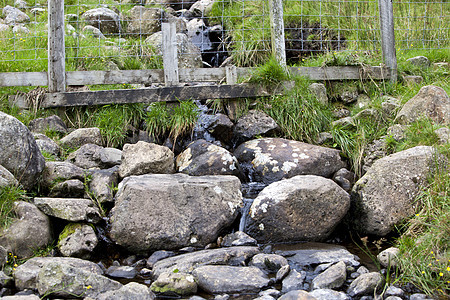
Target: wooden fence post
{"x": 388, "y": 37}
{"x": 170, "y": 54}
{"x": 277, "y": 31}
{"x": 56, "y": 51}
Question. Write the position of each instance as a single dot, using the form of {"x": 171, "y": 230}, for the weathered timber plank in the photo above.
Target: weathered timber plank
{"x": 115, "y": 77}
{"x": 56, "y": 50}
{"x": 341, "y": 72}
{"x": 23, "y": 79}
{"x": 149, "y": 95}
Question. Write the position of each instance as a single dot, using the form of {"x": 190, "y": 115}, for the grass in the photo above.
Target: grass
{"x": 8, "y": 195}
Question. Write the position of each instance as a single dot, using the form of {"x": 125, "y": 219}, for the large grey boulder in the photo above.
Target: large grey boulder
{"x": 386, "y": 194}
{"x": 19, "y": 153}
{"x": 252, "y": 124}
{"x": 272, "y": 159}
{"x": 72, "y": 188}
{"x": 171, "y": 211}
{"x": 26, "y": 274}
{"x": 52, "y": 124}
{"x": 293, "y": 281}
{"x": 14, "y": 15}
{"x": 366, "y": 284}
{"x": 304, "y": 207}
{"x": 104, "y": 19}
{"x": 6, "y": 178}
{"x": 81, "y": 136}
{"x": 77, "y": 240}
{"x": 94, "y": 156}
{"x": 29, "y": 232}
{"x": 143, "y": 158}
{"x": 269, "y": 263}
{"x": 47, "y": 145}
{"x": 179, "y": 283}
{"x": 69, "y": 209}
{"x": 229, "y": 279}
{"x": 58, "y": 171}
{"x": 204, "y": 158}
{"x": 431, "y": 101}
{"x": 130, "y": 291}
{"x": 145, "y": 20}
{"x": 202, "y": 8}
{"x": 234, "y": 256}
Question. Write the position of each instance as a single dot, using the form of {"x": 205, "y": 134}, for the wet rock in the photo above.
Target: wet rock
{"x": 163, "y": 211}
{"x": 269, "y": 263}
{"x": 143, "y": 158}
{"x": 419, "y": 61}
{"x": 273, "y": 159}
{"x": 77, "y": 240}
{"x": 320, "y": 92}
{"x": 252, "y": 124}
{"x": 188, "y": 262}
{"x": 6, "y": 178}
{"x": 70, "y": 209}
{"x": 130, "y": 291}
{"x": 282, "y": 273}
{"x": 221, "y": 128}
{"x": 288, "y": 210}
{"x": 297, "y": 295}
{"x": 56, "y": 171}
{"x": 72, "y": 188}
{"x": 65, "y": 281}
{"x": 46, "y": 144}
{"x": 145, "y": 20}
{"x": 52, "y": 124}
{"x": 366, "y": 284}
{"x": 431, "y": 101}
{"x": 270, "y": 292}
{"x": 327, "y": 294}
{"x": 293, "y": 281}
{"x": 25, "y": 275}
{"x": 333, "y": 277}
{"x": 14, "y": 15}
{"x": 394, "y": 291}
{"x": 121, "y": 272}
{"x": 393, "y": 298}
{"x": 204, "y": 158}
{"x": 94, "y": 156}
{"x": 31, "y": 230}
{"x": 238, "y": 238}
{"x": 345, "y": 179}
{"x": 385, "y": 195}
{"x": 198, "y": 33}
{"x": 389, "y": 257}
{"x": 28, "y": 163}
{"x": 104, "y": 19}
{"x": 311, "y": 254}
{"x": 179, "y": 283}
{"x": 419, "y": 296}
{"x": 82, "y": 136}
{"x": 103, "y": 182}
{"x": 157, "y": 256}
{"x": 229, "y": 279}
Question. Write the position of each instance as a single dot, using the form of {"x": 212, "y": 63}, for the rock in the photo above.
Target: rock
{"x": 419, "y": 61}
{"x": 56, "y": 171}
{"x": 394, "y": 291}
{"x": 103, "y": 183}
{"x": 94, "y": 156}
{"x": 272, "y": 159}
{"x": 157, "y": 256}
{"x": 345, "y": 179}
{"x": 221, "y": 128}
{"x": 5, "y": 280}
{"x": 288, "y": 210}
{"x": 49, "y": 124}
{"x": 333, "y": 277}
{"x": 21, "y": 297}
{"x": 349, "y": 96}
{"x": 6, "y": 178}
{"x": 324, "y": 137}
{"x": 297, "y": 295}
{"x": 81, "y": 136}
{"x": 47, "y": 145}
{"x": 127, "y": 272}
{"x": 346, "y": 122}
{"x": 104, "y": 19}
{"x": 412, "y": 80}
{"x": 270, "y": 292}
{"x": 20, "y": 29}
{"x": 397, "y": 132}
{"x": 188, "y": 262}
{"x": 293, "y": 281}
{"x": 393, "y": 298}
{"x": 27, "y": 164}
{"x": 77, "y": 240}
{"x": 229, "y": 279}
{"x": 25, "y": 275}
{"x": 320, "y": 92}
{"x": 179, "y": 283}
{"x": 66, "y": 281}
{"x": 14, "y": 15}
{"x": 31, "y": 230}
{"x": 386, "y": 194}
{"x": 419, "y": 296}
{"x": 282, "y": 273}
{"x": 366, "y": 284}
{"x": 269, "y": 263}
{"x": 189, "y": 55}
{"x": 4, "y": 28}
{"x": 374, "y": 151}
{"x": 431, "y": 101}
{"x": 142, "y": 158}
{"x": 252, "y": 124}
{"x": 363, "y": 101}
{"x": 72, "y": 188}
{"x": 199, "y": 35}
{"x": 94, "y": 31}
{"x": 311, "y": 254}
{"x": 204, "y": 158}
{"x": 443, "y": 134}
{"x": 388, "y": 258}
{"x": 145, "y": 20}
{"x": 3, "y": 256}
{"x": 341, "y": 113}
{"x": 238, "y": 238}
{"x": 327, "y": 294}
{"x": 164, "y": 211}
{"x": 73, "y": 210}
{"x": 130, "y": 291}
{"x": 202, "y": 8}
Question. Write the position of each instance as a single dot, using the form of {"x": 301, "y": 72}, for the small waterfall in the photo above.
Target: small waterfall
{"x": 203, "y": 122}
{"x": 250, "y": 191}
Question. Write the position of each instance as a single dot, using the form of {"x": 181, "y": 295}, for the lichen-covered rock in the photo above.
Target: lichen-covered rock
{"x": 179, "y": 283}
{"x": 204, "y": 158}
{"x": 81, "y": 136}
{"x": 320, "y": 92}
{"x": 304, "y": 207}
{"x": 69, "y": 209}
{"x": 386, "y": 194}
{"x": 72, "y": 188}
{"x": 30, "y": 231}
{"x": 58, "y": 171}
{"x": 252, "y": 124}
{"x": 102, "y": 184}
{"x": 6, "y": 178}
{"x": 104, "y": 19}
{"x": 272, "y": 159}
{"x": 171, "y": 211}
{"x": 52, "y": 124}
{"x": 143, "y": 158}
{"x": 77, "y": 240}
{"x": 431, "y": 101}
{"x": 130, "y": 291}
{"x": 419, "y": 61}
{"x": 19, "y": 153}
{"x": 145, "y": 20}
{"x": 229, "y": 279}
{"x": 14, "y": 15}
{"x": 47, "y": 145}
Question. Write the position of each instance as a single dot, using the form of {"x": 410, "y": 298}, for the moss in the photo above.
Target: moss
{"x": 68, "y": 230}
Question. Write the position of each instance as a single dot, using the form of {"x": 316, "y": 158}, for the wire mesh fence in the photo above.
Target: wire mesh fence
{"x": 126, "y": 34}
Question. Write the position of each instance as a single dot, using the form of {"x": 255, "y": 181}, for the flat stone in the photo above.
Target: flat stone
{"x": 328, "y": 294}
{"x": 178, "y": 283}
{"x": 73, "y": 210}
{"x": 333, "y": 277}
{"x": 366, "y": 284}
{"x": 293, "y": 281}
